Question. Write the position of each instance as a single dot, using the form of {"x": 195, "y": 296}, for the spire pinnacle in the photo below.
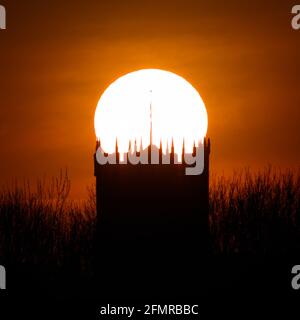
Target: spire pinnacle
{"x": 172, "y": 146}
{"x": 194, "y": 148}
{"x": 151, "y": 120}
{"x": 117, "y": 151}
{"x": 183, "y": 150}
{"x": 98, "y": 143}
{"x": 172, "y": 157}
{"x": 160, "y": 152}
{"x": 135, "y": 146}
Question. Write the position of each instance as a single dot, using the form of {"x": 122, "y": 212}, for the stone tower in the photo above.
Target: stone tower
{"x": 152, "y": 227}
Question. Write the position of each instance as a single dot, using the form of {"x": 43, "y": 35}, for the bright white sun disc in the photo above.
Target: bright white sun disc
{"x": 130, "y": 104}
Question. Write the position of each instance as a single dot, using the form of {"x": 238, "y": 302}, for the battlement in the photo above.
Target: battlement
{"x": 153, "y": 155}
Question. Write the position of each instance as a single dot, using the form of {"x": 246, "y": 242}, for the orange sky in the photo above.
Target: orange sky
{"x": 56, "y": 58}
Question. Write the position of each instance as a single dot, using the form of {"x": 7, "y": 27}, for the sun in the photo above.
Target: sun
{"x": 150, "y": 98}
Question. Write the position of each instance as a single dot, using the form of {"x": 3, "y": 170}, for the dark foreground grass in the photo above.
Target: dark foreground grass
{"x": 40, "y": 226}
{"x": 256, "y": 213}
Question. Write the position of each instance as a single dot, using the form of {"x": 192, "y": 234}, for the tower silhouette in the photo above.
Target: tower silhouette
{"x": 152, "y": 226}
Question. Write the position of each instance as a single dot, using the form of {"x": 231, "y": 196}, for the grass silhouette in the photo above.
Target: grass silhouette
{"x": 40, "y": 226}
{"x": 256, "y": 213}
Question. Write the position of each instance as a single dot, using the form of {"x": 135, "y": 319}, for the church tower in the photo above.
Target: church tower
{"x": 152, "y": 225}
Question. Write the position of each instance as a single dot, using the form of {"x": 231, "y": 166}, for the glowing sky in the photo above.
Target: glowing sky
{"x": 57, "y": 58}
